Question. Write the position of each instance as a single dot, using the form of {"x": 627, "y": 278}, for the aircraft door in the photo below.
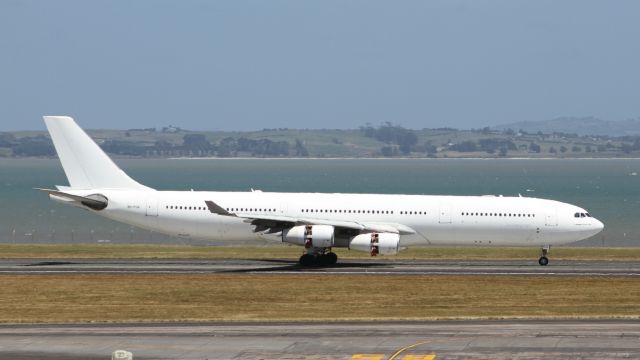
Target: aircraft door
{"x": 551, "y": 219}
{"x": 283, "y": 208}
{"x": 445, "y": 214}
{"x": 152, "y": 207}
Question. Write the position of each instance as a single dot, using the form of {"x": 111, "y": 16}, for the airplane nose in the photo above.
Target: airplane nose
{"x": 598, "y": 225}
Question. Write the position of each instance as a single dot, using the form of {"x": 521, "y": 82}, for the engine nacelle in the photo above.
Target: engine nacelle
{"x": 376, "y": 243}
{"x": 320, "y": 236}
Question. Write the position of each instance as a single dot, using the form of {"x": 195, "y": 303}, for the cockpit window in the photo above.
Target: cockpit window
{"x": 588, "y": 215}
{"x": 576, "y": 215}
{"x": 582, "y": 215}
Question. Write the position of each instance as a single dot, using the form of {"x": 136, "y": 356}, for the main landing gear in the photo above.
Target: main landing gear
{"x": 323, "y": 257}
{"x": 544, "y": 260}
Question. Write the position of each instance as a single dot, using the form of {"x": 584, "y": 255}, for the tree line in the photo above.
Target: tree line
{"x": 195, "y": 145}
{"x": 394, "y": 140}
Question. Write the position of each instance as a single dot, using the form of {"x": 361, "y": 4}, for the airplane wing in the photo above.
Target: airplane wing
{"x": 275, "y": 223}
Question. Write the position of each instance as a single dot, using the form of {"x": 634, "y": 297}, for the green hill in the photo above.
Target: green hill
{"x": 383, "y": 141}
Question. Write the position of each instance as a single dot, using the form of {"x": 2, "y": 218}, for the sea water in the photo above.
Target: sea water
{"x": 608, "y": 188}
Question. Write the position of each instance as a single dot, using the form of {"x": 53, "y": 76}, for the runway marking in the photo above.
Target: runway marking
{"x": 381, "y": 357}
{"x": 367, "y": 357}
{"x": 424, "y": 357}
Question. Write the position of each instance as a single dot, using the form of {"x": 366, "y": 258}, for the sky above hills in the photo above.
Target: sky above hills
{"x": 244, "y": 65}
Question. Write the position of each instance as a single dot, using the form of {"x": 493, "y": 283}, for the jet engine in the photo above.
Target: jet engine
{"x": 320, "y": 236}
{"x": 376, "y": 243}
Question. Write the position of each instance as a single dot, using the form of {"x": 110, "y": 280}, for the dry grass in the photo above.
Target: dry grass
{"x": 113, "y": 251}
{"x": 238, "y": 297}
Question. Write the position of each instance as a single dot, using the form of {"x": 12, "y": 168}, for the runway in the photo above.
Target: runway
{"x": 588, "y": 339}
{"x": 345, "y": 341}
{"x": 344, "y": 267}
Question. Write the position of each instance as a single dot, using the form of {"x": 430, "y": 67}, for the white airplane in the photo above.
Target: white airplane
{"x": 374, "y": 223}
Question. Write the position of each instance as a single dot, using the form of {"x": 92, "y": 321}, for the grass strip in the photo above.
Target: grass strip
{"x": 278, "y": 251}
{"x": 242, "y": 297}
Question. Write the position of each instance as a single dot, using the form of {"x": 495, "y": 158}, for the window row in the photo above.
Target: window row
{"x": 497, "y": 214}
{"x": 176, "y": 207}
{"x": 347, "y": 211}
{"x": 361, "y": 211}
{"x": 250, "y": 210}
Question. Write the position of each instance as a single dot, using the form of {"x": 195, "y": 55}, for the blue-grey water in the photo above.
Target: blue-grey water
{"x": 608, "y": 188}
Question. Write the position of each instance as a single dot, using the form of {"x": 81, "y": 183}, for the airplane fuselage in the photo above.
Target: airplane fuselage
{"x": 433, "y": 220}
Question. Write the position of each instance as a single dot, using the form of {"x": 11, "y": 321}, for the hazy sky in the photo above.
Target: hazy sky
{"x": 316, "y": 64}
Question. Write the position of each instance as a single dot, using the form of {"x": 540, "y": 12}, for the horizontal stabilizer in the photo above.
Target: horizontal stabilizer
{"x": 95, "y": 201}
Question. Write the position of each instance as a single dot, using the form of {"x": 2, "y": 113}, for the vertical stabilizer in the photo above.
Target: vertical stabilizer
{"x": 84, "y": 163}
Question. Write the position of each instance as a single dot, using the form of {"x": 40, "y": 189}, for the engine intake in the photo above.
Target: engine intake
{"x": 376, "y": 243}
{"x": 320, "y": 236}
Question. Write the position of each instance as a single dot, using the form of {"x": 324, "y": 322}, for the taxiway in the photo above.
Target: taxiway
{"x": 551, "y": 339}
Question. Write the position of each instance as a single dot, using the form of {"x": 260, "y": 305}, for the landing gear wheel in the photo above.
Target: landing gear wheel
{"x": 331, "y": 258}
{"x": 323, "y": 260}
{"x": 307, "y": 260}
{"x": 327, "y": 259}
{"x": 543, "y": 261}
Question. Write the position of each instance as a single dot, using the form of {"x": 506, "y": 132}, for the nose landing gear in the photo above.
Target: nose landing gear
{"x": 544, "y": 260}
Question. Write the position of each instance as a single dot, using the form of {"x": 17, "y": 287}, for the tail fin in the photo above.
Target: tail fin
{"x": 84, "y": 163}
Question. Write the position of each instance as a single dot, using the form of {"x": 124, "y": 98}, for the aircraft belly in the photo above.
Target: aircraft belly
{"x": 476, "y": 235}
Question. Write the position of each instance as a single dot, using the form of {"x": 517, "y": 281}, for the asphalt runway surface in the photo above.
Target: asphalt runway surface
{"x": 344, "y": 267}
{"x": 512, "y": 339}
{"x": 349, "y": 341}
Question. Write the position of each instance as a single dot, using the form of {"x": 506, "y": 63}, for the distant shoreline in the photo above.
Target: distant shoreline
{"x": 392, "y": 158}
{"x": 385, "y": 141}
{"x": 333, "y": 158}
